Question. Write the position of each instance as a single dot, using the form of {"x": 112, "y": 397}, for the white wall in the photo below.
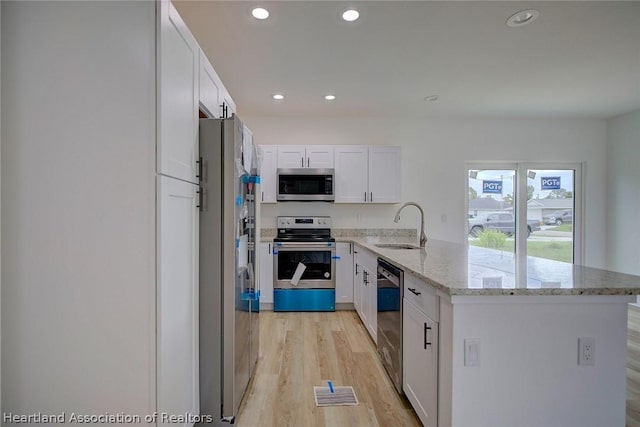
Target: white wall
{"x": 78, "y": 218}
{"x": 434, "y": 153}
{"x": 623, "y": 189}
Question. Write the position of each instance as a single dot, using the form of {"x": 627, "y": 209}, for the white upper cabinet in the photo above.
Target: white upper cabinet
{"x": 351, "y": 174}
{"x": 291, "y": 156}
{"x": 209, "y": 88}
{"x": 367, "y": 174}
{"x": 319, "y": 156}
{"x": 268, "y": 174}
{"x": 305, "y": 156}
{"x": 178, "y": 72}
{"x": 227, "y": 106}
{"x": 384, "y": 174}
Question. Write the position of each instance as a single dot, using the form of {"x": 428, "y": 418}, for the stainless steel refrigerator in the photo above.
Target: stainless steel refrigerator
{"x": 228, "y": 297}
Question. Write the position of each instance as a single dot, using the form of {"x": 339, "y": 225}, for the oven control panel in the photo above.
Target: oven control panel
{"x": 304, "y": 222}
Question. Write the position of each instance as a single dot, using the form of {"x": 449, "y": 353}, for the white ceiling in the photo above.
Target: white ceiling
{"x": 578, "y": 59}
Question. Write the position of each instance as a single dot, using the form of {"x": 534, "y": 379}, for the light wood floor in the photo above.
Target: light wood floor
{"x": 633, "y": 368}
{"x": 302, "y": 350}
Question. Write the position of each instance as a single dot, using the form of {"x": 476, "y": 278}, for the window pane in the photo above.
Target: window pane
{"x": 491, "y": 221}
{"x": 550, "y": 208}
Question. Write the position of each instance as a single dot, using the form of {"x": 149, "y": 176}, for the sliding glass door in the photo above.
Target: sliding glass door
{"x": 531, "y": 209}
{"x": 552, "y": 208}
{"x": 491, "y": 213}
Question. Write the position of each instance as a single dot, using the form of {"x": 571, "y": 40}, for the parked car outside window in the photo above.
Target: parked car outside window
{"x": 563, "y": 216}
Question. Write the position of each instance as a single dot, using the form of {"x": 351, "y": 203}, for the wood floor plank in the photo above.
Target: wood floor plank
{"x": 301, "y": 350}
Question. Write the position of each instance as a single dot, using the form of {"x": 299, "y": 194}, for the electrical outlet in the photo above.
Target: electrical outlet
{"x": 586, "y": 351}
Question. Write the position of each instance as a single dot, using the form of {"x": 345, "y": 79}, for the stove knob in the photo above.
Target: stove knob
{"x": 288, "y": 221}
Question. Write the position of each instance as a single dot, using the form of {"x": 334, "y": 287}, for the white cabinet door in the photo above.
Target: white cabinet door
{"x": 268, "y": 174}
{"x": 420, "y": 363}
{"x": 344, "y": 273}
{"x": 319, "y": 156}
{"x": 291, "y": 156}
{"x": 265, "y": 259}
{"x": 209, "y": 89}
{"x": 357, "y": 282}
{"x": 351, "y": 174}
{"x": 178, "y": 71}
{"x": 227, "y": 105}
{"x": 369, "y": 262}
{"x": 384, "y": 174}
{"x": 177, "y": 298}
{"x": 370, "y": 302}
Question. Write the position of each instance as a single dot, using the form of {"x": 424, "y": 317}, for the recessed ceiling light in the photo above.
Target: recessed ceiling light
{"x": 431, "y": 98}
{"x": 278, "y": 96}
{"x": 260, "y": 13}
{"x": 523, "y": 17}
{"x": 329, "y": 97}
{"x": 350, "y": 15}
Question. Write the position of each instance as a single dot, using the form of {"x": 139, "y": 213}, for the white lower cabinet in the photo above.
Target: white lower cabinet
{"x": 420, "y": 348}
{"x": 344, "y": 273}
{"x": 365, "y": 289}
{"x": 177, "y": 298}
{"x": 265, "y": 278}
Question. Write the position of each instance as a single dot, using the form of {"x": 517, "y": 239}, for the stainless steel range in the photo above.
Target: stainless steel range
{"x": 304, "y": 265}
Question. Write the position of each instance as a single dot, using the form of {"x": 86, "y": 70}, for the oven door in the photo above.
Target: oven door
{"x": 315, "y": 260}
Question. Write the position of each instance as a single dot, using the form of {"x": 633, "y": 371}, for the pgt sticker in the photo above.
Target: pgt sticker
{"x": 492, "y": 187}
{"x": 550, "y": 182}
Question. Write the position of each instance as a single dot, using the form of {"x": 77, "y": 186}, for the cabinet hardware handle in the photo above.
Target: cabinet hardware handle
{"x": 269, "y": 250}
{"x": 356, "y": 269}
{"x": 426, "y": 343}
{"x": 308, "y": 162}
{"x": 262, "y": 196}
{"x": 199, "y": 169}
{"x": 365, "y": 196}
{"x": 301, "y": 161}
{"x": 413, "y": 290}
{"x": 371, "y": 197}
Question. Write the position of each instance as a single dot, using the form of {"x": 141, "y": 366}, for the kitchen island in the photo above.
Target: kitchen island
{"x": 504, "y": 337}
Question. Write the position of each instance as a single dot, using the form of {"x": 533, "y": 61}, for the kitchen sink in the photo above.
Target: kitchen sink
{"x": 396, "y": 246}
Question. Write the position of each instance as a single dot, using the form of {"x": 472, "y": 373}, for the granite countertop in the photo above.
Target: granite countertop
{"x": 457, "y": 269}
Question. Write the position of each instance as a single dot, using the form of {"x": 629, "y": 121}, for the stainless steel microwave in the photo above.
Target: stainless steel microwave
{"x": 305, "y": 184}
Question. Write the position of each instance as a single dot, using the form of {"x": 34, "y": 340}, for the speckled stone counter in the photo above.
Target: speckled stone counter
{"x": 460, "y": 270}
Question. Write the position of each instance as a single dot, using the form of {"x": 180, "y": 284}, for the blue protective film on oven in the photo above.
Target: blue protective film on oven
{"x": 336, "y": 257}
{"x": 304, "y": 300}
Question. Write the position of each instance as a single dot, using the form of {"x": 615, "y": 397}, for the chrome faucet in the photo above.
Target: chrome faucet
{"x": 423, "y": 237}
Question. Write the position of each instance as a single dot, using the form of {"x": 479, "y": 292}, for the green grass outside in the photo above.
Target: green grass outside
{"x": 559, "y": 251}
{"x": 563, "y": 227}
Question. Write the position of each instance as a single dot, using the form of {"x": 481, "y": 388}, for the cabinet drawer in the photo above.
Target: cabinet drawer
{"x": 422, "y": 296}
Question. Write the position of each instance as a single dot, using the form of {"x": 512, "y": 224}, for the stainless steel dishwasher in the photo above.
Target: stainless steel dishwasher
{"x": 390, "y": 285}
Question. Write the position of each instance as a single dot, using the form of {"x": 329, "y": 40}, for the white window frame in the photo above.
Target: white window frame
{"x": 520, "y": 187}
